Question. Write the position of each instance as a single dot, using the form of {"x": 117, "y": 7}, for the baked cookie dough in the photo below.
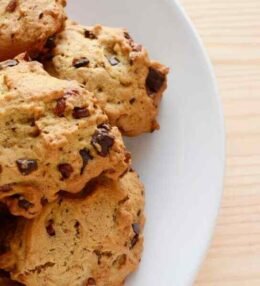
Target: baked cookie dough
{"x": 127, "y": 84}
{"x": 93, "y": 239}
{"x": 25, "y": 25}
{"x": 54, "y": 138}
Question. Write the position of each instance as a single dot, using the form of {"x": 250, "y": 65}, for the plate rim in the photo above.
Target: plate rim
{"x": 221, "y": 121}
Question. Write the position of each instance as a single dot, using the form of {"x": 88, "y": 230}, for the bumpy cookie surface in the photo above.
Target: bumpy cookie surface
{"x": 95, "y": 239}
{"x": 25, "y": 25}
{"x": 128, "y": 85}
{"x": 53, "y": 138}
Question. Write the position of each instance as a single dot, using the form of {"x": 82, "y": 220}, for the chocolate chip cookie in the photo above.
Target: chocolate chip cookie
{"x": 25, "y": 25}
{"x": 95, "y": 238}
{"x": 107, "y": 61}
{"x": 54, "y": 138}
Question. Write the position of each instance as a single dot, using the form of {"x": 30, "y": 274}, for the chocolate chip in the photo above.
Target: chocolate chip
{"x": 24, "y": 204}
{"x": 11, "y": 6}
{"x": 90, "y": 35}
{"x": 1, "y": 169}
{"x": 77, "y": 228}
{"x": 91, "y": 282}
{"x": 114, "y": 61}
{"x": 136, "y": 228}
{"x": 8, "y": 63}
{"x": 26, "y": 166}
{"x": 155, "y": 80}
{"x": 50, "y": 43}
{"x": 132, "y": 100}
{"x": 80, "y": 112}
{"x": 134, "y": 241}
{"x": 102, "y": 141}
{"x": 41, "y": 15}
{"x": 44, "y": 201}
{"x": 127, "y": 36}
{"x": 66, "y": 170}
{"x": 60, "y": 107}
{"x": 79, "y": 63}
{"x": 50, "y": 229}
{"x": 86, "y": 157}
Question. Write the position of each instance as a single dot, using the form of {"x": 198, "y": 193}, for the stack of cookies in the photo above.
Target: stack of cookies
{"x": 71, "y": 205}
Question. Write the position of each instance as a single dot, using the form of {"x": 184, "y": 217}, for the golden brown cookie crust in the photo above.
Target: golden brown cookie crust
{"x": 127, "y": 84}
{"x": 53, "y": 138}
{"x": 96, "y": 238}
{"x": 25, "y": 25}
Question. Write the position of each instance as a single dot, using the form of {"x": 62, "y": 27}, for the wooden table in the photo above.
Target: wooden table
{"x": 230, "y": 30}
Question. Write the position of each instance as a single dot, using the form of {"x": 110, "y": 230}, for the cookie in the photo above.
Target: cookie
{"x": 54, "y": 138}
{"x": 25, "y": 25}
{"x": 127, "y": 84}
{"x": 93, "y": 239}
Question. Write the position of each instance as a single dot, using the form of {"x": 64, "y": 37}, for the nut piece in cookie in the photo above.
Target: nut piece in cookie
{"x": 92, "y": 239}
{"x": 128, "y": 85}
{"x": 54, "y": 137}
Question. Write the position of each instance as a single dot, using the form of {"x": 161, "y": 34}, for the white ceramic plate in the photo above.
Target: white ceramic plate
{"x": 182, "y": 164}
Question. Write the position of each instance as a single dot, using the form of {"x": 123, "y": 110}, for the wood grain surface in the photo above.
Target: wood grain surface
{"x": 230, "y": 30}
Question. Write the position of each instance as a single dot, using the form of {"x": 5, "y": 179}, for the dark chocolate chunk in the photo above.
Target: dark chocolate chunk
{"x": 86, "y": 157}
{"x": 8, "y": 63}
{"x": 155, "y": 80}
{"x": 66, "y": 170}
{"x": 132, "y": 100}
{"x": 50, "y": 229}
{"x": 90, "y": 35}
{"x": 77, "y": 228}
{"x": 11, "y": 6}
{"x": 134, "y": 241}
{"x": 80, "y": 112}
{"x": 44, "y": 201}
{"x": 50, "y": 43}
{"x": 136, "y": 228}
{"x": 1, "y": 169}
{"x": 24, "y": 204}
{"x": 127, "y": 36}
{"x": 114, "y": 61}
{"x": 91, "y": 282}
{"x": 26, "y": 166}
{"x": 102, "y": 141}
{"x": 60, "y": 107}
{"x": 79, "y": 63}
